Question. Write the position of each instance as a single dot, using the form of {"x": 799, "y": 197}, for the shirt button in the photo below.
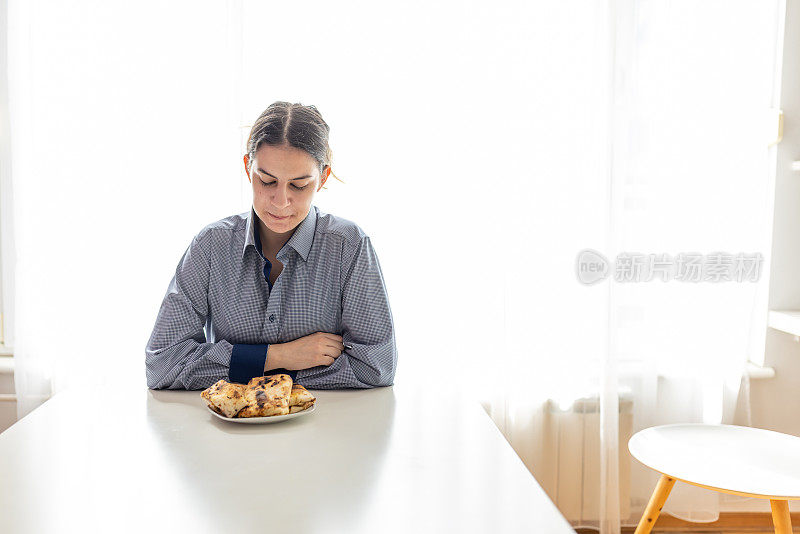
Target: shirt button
{"x": 272, "y": 318}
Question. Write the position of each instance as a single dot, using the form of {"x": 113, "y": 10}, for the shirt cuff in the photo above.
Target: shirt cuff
{"x": 247, "y": 361}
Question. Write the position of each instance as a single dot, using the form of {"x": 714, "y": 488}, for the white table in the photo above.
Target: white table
{"x": 740, "y": 460}
{"x": 397, "y": 459}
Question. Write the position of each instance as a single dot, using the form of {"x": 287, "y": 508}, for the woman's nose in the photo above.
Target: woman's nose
{"x": 281, "y": 198}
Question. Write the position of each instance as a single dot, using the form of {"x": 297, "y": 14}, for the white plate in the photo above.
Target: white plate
{"x": 262, "y": 420}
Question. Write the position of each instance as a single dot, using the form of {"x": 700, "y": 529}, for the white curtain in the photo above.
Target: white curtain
{"x": 687, "y": 171}
{"x": 482, "y": 146}
{"x": 690, "y": 174}
{"x": 123, "y": 146}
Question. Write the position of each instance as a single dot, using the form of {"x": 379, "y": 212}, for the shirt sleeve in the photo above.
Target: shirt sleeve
{"x": 367, "y": 326}
{"x": 178, "y": 355}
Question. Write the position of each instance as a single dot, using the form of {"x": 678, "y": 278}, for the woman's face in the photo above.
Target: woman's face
{"x": 284, "y": 181}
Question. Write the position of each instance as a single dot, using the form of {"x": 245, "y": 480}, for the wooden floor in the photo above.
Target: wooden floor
{"x": 728, "y": 523}
{"x": 630, "y": 530}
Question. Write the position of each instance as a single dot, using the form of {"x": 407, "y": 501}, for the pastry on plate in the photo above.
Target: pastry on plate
{"x": 300, "y": 399}
{"x": 267, "y": 395}
{"x": 226, "y": 398}
{"x": 263, "y": 396}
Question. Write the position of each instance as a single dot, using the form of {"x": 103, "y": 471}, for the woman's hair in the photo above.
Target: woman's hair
{"x": 296, "y": 125}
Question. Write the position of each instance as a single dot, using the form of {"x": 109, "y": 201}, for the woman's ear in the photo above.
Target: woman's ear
{"x": 247, "y": 167}
{"x": 325, "y": 175}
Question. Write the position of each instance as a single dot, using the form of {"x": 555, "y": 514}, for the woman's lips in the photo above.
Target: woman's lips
{"x": 276, "y": 217}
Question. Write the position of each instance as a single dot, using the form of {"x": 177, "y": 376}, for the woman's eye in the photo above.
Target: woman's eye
{"x": 273, "y": 183}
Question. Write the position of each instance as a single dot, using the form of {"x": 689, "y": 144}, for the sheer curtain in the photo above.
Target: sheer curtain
{"x": 691, "y": 175}
{"x": 123, "y": 147}
{"x": 687, "y": 171}
{"x": 481, "y": 147}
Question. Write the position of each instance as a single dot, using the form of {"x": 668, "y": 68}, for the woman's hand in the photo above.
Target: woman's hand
{"x": 319, "y": 348}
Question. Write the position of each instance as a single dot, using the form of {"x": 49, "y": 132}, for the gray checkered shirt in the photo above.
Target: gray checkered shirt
{"x": 220, "y": 312}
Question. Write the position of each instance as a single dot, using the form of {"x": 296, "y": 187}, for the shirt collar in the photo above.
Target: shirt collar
{"x": 301, "y": 239}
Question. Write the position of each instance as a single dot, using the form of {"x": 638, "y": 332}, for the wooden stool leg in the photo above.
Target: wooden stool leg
{"x": 657, "y": 501}
{"x": 780, "y": 516}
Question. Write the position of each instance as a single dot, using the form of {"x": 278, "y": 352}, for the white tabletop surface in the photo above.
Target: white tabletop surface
{"x": 396, "y": 459}
{"x": 732, "y": 458}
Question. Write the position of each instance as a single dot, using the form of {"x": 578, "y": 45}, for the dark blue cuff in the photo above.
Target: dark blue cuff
{"x": 247, "y": 361}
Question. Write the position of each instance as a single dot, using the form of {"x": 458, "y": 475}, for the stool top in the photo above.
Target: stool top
{"x": 734, "y": 459}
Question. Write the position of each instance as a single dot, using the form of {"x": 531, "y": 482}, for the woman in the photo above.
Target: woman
{"x": 283, "y": 289}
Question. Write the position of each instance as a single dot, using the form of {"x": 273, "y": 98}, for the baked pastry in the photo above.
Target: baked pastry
{"x": 262, "y": 396}
{"x": 267, "y": 395}
{"x": 300, "y": 399}
{"x": 226, "y": 398}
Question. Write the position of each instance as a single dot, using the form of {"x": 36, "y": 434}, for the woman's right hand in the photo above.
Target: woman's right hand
{"x": 319, "y": 348}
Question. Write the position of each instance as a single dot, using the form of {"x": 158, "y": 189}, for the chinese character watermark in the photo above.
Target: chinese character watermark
{"x": 592, "y": 267}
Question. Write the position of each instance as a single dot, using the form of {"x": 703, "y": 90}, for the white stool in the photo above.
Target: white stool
{"x": 732, "y": 459}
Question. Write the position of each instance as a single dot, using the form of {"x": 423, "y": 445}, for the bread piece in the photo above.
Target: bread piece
{"x": 300, "y": 407}
{"x": 300, "y": 399}
{"x": 276, "y": 386}
{"x": 267, "y": 395}
{"x": 259, "y": 405}
{"x": 300, "y": 395}
{"x": 226, "y": 398}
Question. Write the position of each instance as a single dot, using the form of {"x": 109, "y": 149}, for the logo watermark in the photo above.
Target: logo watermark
{"x": 592, "y": 267}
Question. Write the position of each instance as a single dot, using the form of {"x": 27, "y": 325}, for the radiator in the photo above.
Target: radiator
{"x": 8, "y": 400}
{"x": 575, "y": 437}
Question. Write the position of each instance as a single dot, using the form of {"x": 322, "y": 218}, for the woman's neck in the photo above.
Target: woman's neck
{"x": 271, "y": 242}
